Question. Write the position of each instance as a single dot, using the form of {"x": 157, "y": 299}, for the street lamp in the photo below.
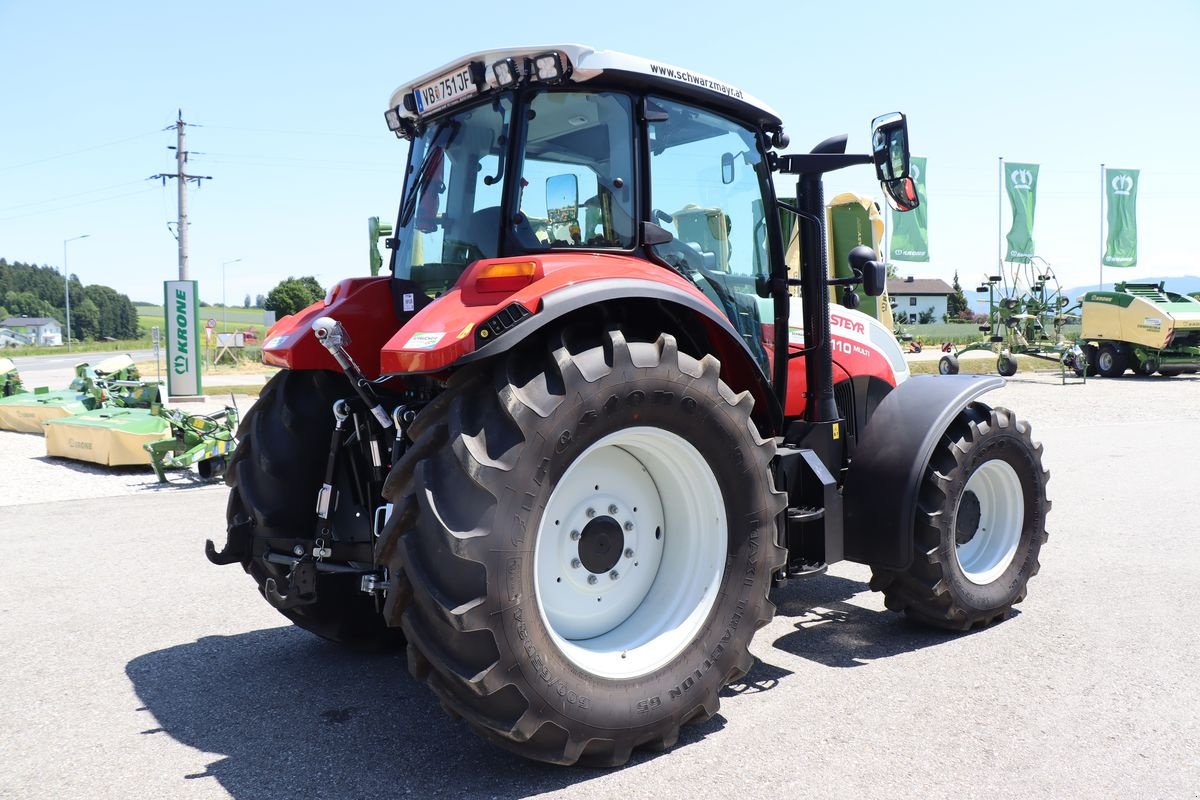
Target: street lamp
{"x": 67, "y": 285}
{"x": 224, "y": 307}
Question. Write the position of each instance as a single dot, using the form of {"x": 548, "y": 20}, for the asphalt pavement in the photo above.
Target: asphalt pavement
{"x": 133, "y": 668}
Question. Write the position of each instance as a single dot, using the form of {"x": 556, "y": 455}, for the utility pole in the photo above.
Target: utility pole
{"x": 181, "y": 157}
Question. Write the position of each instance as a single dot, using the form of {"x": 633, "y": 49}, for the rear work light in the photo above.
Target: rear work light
{"x": 506, "y": 72}
{"x": 507, "y": 276}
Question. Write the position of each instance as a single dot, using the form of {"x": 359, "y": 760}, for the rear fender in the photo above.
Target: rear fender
{"x": 883, "y": 481}
{"x": 453, "y": 331}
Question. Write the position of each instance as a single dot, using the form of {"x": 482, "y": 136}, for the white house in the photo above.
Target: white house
{"x": 41, "y": 331}
{"x": 916, "y": 296}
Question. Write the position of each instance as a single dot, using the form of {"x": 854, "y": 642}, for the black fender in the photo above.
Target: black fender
{"x": 881, "y": 486}
{"x": 563, "y": 302}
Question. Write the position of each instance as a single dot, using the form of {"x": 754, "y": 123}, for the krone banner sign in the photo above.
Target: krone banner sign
{"x": 1120, "y": 191}
{"x": 1020, "y": 182}
{"x": 910, "y": 231}
{"x": 182, "y": 321}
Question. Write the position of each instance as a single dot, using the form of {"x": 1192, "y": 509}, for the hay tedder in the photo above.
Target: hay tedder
{"x": 1027, "y": 312}
{"x": 567, "y": 447}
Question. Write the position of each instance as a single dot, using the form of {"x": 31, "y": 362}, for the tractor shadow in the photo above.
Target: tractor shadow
{"x": 280, "y": 713}
{"x": 836, "y": 633}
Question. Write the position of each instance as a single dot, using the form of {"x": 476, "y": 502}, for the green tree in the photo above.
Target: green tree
{"x": 293, "y": 294}
{"x": 957, "y": 302}
{"x": 246, "y": 302}
{"x": 28, "y": 304}
{"x": 259, "y": 301}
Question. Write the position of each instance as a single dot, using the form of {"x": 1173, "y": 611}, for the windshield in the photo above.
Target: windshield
{"x": 451, "y": 210}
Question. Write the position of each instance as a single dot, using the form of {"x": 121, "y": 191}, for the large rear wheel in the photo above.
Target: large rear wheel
{"x": 274, "y": 475}
{"x": 981, "y": 523}
{"x": 588, "y": 537}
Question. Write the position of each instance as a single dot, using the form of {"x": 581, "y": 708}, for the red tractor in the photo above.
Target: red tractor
{"x": 568, "y": 446}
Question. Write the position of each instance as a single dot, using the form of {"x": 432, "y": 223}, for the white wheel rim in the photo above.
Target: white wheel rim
{"x": 1105, "y": 361}
{"x": 663, "y": 498}
{"x": 990, "y": 550}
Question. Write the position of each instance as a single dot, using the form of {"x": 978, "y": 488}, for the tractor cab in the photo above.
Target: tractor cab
{"x": 534, "y": 152}
{"x": 523, "y": 160}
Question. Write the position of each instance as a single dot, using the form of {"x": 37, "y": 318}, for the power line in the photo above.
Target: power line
{"x": 77, "y": 205}
{"x": 67, "y": 196}
{"x": 77, "y": 152}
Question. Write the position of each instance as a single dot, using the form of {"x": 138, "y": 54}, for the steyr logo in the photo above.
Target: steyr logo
{"x": 1122, "y": 184}
{"x": 1022, "y": 179}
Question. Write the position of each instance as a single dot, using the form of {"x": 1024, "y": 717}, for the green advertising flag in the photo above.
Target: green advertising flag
{"x": 1020, "y": 181}
{"x": 1120, "y": 191}
{"x": 910, "y": 232}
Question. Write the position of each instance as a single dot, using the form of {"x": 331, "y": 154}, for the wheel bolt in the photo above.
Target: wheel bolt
{"x": 629, "y": 552}
{"x": 576, "y": 563}
{"x": 628, "y": 526}
{"x": 592, "y": 579}
{"x": 614, "y": 575}
{"x": 591, "y": 512}
{"x": 298, "y": 549}
{"x": 612, "y": 509}
{"x": 574, "y": 536}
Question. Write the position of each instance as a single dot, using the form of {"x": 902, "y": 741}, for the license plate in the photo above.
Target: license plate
{"x": 449, "y": 88}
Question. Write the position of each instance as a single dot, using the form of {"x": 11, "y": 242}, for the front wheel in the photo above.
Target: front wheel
{"x": 980, "y": 525}
{"x": 589, "y": 538}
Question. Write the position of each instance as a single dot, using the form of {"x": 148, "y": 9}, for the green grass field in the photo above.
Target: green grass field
{"x": 228, "y": 320}
{"x": 938, "y": 332}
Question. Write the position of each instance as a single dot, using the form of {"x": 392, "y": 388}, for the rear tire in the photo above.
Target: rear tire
{"x": 274, "y": 473}
{"x": 948, "y": 364}
{"x": 980, "y": 525}
{"x": 1006, "y": 365}
{"x": 576, "y": 637}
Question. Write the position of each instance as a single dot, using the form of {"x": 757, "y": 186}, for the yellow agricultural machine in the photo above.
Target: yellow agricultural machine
{"x": 1140, "y": 326}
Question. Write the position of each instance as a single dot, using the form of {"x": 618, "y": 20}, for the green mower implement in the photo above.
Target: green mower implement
{"x": 10, "y": 379}
{"x": 204, "y": 440}
{"x": 113, "y": 383}
{"x": 1140, "y": 326}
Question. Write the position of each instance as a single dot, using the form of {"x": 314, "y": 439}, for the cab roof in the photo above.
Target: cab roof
{"x": 581, "y": 63}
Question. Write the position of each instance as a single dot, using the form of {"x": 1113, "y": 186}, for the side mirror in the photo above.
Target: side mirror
{"x": 889, "y": 146}
{"x": 562, "y": 199}
{"x": 727, "y": 168}
{"x": 874, "y": 273}
{"x": 889, "y": 149}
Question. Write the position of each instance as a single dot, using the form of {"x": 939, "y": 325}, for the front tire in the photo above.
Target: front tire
{"x": 981, "y": 523}
{"x": 274, "y": 475}
{"x": 589, "y": 539}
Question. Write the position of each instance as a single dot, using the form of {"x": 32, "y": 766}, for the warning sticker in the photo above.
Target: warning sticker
{"x": 423, "y": 341}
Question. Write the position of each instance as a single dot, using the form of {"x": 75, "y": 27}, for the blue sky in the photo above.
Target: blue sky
{"x": 290, "y": 97}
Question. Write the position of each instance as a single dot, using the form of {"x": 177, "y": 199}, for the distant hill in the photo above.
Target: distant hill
{"x": 1185, "y": 284}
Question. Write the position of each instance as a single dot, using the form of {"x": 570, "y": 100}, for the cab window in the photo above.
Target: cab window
{"x": 576, "y": 187}
{"x": 706, "y": 188}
